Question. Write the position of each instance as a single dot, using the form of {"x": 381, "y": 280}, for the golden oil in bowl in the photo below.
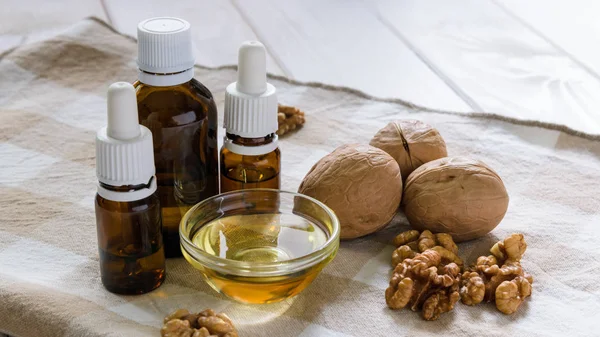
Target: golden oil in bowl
{"x": 260, "y": 237}
{"x": 260, "y": 257}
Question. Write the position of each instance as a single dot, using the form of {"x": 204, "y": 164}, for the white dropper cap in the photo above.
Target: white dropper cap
{"x": 124, "y": 151}
{"x": 251, "y": 102}
{"x": 165, "y": 47}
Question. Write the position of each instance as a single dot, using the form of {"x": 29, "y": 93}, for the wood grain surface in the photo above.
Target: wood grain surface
{"x": 534, "y": 60}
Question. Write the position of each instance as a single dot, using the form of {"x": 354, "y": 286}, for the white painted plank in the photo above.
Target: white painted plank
{"x": 217, "y": 27}
{"x": 572, "y": 25}
{"x": 343, "y": 43}
{"x": 497, "y": 61}
{"x": 34, "y": 20}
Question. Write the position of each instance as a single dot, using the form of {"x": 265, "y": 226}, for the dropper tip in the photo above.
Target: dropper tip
{"x": 122, "y": 112}
{"x": 252, "y": 68}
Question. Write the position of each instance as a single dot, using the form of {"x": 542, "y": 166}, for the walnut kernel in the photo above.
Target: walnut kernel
{"x": 289, "y": 118}
{"x": 176, "y": 328}
{"x": 412, "y": 242}
{"x": 181, "y": 323}
{"x": 406, "y": 237}
{"x": 499, "y": 277}
{"x": 423, "y": 283}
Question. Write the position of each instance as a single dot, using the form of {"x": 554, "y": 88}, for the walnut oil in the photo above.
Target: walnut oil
{"x": 132, "y": 258}
{"x": 182, "y": 115}
{"x": 250, "y": 157}
{"x": 240, "y": 171}
{"x": 128, "y": 217}
{"x": 260, "y": 238}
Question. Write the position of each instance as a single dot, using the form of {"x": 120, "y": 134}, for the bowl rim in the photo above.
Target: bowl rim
{"x": 253, "y": 269}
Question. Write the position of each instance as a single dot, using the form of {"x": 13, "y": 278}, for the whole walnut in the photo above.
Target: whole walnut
{"x": 456, "y": 195}
{"x": 360, "y": 183}
{"x": 411, "y": 142}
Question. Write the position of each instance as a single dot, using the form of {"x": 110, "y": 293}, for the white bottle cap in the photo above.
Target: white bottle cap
{"x": 124, "y": 151}
{"x": 251, "y": 102}
{"x": 165, "y": 47}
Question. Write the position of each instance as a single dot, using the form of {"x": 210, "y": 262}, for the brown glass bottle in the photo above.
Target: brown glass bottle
{"x": 132, "y": 258}
{"x": 181, "y": 118}
{"x": 239, "y": 171}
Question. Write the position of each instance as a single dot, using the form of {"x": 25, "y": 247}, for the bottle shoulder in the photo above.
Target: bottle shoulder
{"x": 192, "y": 88}
{"x": 178, "y": 105}
{"x": 197, "y": 87}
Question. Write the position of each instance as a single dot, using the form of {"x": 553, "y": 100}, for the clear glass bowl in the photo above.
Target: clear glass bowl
{"x": 259, "y": 245}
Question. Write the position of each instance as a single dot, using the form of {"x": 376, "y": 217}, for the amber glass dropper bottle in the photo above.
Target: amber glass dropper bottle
{"x": 250, "y": 157}
{"x": 128, "y": 220}
{"x": 182, "y": 116}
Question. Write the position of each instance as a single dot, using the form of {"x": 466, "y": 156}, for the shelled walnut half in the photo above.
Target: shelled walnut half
{"x": 424, "y": 283}
{"x": 182, "y": 323}
{"x": 289, "y": 118}
{"x": 498, "y": 277}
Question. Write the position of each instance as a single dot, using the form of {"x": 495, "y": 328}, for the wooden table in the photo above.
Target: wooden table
{"x": 534, "y": 59}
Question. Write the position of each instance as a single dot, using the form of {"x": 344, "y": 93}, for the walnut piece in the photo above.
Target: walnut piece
{"x": 439, "y": 303}
{"x": 498, "y": 277}
{"x": 412, "y": 242}
{"x": 289, "y": 118}
{"x": 445, "y": 240}
{"x": 512, "y": 248}
{"x": 510, "y": 294}
{"x": 414, "y": 245}
{"x": 422, "y": 282}
{"x": 406, "y": 237}
{"x": 176, "y": 328}
{"x": 402, "y": 253}
{"x": 448, "y": 256}
{"x": 202, "y": 332}
{"x": 215, "y": 325}
{"x": 181, "y": 323}
{"x": 473, "y": 288}
{"x": 426, "y": 241}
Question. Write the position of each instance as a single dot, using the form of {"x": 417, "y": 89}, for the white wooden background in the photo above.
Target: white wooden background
{"x": 531, "y": 59}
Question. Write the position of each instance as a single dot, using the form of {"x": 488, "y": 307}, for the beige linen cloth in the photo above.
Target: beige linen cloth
{"x": 52, "y": 101}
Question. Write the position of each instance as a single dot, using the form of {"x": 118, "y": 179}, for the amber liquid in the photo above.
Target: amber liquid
{"x": 132, "y": 259}
{"x": 182, "y": 119}
{"x": 240, "y": 172}
{"x": 261, "y": 238}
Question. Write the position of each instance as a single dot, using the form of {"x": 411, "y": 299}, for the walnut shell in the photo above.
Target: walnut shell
{"x": 411, "y": 142}
{"x": 360, "y": 183}
{"x": 456, "y": 195}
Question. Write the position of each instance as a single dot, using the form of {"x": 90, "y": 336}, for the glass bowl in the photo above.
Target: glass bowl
{"x": 259, "y": 245}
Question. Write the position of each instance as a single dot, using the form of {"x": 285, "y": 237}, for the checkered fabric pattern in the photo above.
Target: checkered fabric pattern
{"x": 52, "y": 101}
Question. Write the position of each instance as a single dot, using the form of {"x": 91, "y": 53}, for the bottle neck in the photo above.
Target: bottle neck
{"x": 127, "y": 193}
{"x": 244, "y": 141}
{"x": 165, "y": 80}
{"x": 250, "y": 146}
